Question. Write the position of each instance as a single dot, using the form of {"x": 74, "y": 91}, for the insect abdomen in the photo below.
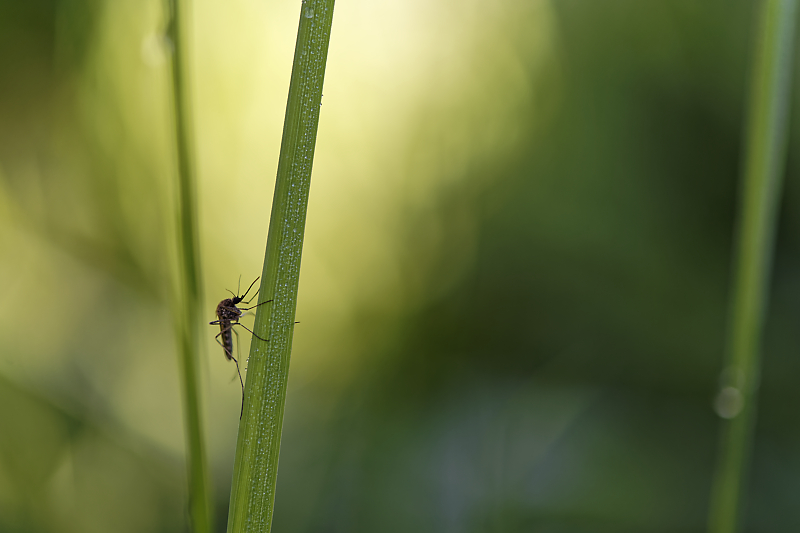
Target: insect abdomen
{"x": 227, "y": 339}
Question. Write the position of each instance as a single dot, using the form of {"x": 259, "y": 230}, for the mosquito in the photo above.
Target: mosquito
{"x": 228, "y": 316}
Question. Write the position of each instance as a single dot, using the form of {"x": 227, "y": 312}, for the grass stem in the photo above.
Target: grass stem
{"x": 190, "y": 296}
{"x": 256, "y": 463}
{"x": 764, "y": 161}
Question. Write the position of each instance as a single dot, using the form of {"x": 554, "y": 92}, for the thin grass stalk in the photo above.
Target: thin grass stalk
{"x": 763, "y": 168}
{"x": 190, "y": 297}
{"x": 256, "y": 463}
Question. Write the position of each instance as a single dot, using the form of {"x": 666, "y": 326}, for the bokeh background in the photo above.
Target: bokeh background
{"x": 514, "y": 288}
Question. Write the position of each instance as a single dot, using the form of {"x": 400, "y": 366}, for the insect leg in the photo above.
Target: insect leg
{"x": 232, "y": 358}
{"x": 238, "y": 345}
{"x": 254, "y": 296}
{"x": 238, "y": 352}
{"x": 254, "y": 306}
{"x": 250, "y": 330}
{"x": 248, "y": 290}
{"x": 240, "y": 355}
{"x": 228, "y": 353}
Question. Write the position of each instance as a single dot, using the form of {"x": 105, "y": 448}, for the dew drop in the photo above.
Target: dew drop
{"x": 729, "y": 402}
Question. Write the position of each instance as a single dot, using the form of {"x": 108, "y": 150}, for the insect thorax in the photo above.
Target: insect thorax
{"x": 227, "y": 310}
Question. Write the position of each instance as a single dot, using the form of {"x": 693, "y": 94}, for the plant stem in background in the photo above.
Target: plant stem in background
{"x": 190, "y": 297}
{"x": 764, "y": 162}
{"x": 256, "y": 464}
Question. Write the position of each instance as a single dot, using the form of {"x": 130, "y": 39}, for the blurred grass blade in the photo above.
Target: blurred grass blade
{"x": 763, "y": 169}
{"x": 256, "y": 463}
{"x": 190, "y": 297}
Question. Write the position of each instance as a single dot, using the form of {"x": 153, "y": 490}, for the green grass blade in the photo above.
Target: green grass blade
{"x": 190, "y": 297}
{"x": 256, "y": 463}
{"x": 763, "y": 170}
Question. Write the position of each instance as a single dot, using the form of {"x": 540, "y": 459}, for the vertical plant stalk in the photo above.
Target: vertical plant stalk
{"x": 763, "y": 169}
{"x": 190, "y": 297}
{"x": 256, "y": 464}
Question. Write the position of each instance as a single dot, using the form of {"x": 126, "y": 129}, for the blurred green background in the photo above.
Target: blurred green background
{"x": 514, "y": 286}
